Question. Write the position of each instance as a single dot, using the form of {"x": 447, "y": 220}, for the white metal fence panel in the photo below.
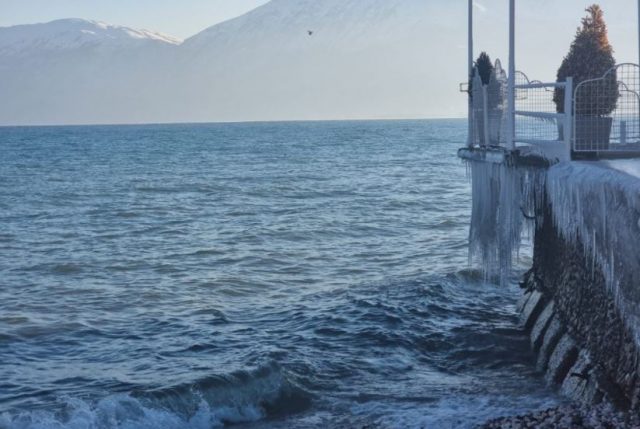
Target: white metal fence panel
{"x": 607, "y": 112}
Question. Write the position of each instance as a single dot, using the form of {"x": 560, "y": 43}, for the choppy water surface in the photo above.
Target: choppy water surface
{"x": 284, "y": 275}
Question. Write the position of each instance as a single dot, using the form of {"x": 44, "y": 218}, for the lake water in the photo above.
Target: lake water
{"x": 285, "y": 275}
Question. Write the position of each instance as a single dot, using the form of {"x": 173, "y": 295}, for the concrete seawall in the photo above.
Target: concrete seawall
{"x": 581, "y": 303}
{"x": 577, "y": 317}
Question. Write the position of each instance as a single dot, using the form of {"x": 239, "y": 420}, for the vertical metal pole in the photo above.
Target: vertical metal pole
{"x": 470, "y": 59}
{"x": 485, "y": 115}
{"x": 568, "y": 117}
{"x": 511, "y": 101}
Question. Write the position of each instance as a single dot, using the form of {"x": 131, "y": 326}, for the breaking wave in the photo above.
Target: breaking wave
{"x": 240, "y": 397}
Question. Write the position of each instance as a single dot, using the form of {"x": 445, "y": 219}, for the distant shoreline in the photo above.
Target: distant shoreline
{"x": 284, "y": 121}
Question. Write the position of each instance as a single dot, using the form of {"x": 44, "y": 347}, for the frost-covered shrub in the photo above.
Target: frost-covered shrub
{"x": 484, "y": 67}
{"x": 486, "y": 71}
{"x": 481, "y": 67}
{"x": 590, "y": 57}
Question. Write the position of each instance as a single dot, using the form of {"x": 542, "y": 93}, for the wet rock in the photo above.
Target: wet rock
{"x": 541, "y": 325}
{"x": 532, "y": 309}
{"x": 564, "y": 356}
{"x": 572, "y": 416}
{"x": 554, "y": 332}
{"x": 523, "y": 302}
{"x": 579, "y": 383}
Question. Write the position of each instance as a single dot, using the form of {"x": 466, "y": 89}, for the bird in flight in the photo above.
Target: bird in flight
{"x": 310, "y": 32}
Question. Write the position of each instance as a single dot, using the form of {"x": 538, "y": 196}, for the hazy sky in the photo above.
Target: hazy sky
{"x": 545, "y": 29}
{"x": 181, "y": 18}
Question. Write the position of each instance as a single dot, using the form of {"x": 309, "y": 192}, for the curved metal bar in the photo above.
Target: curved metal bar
{"x": 604, "y": 76}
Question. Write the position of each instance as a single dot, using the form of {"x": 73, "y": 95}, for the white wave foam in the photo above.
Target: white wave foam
{"x": 126, "y": 412}
{"x": 233, "y": 398}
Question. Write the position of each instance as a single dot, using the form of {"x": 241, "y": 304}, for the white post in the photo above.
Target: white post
{"x": 568, "y": 117}
{"x": 469, "y": 74}
{"x": 485, "y": 115}
{"x": 511, "y": 94}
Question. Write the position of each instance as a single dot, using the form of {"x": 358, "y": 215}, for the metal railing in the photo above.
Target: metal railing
{"x": 607, "y": 113}
{"x": 558, "y": 120}
{"x": 537, "y": 120}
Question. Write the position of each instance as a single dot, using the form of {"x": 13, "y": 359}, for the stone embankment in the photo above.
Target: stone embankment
{"x": 581, "y": 305}
{"x": 575, "y": 325}
{"x": 582, "y": 344}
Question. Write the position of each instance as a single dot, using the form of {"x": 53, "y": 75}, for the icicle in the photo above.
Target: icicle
{"x": 501, "y": 196}
{"x": 598, "y": 207}
{"x": 593, "y": 258}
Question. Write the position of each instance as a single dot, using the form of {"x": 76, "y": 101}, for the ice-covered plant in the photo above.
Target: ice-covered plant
{"x": 482, "y": 67}
{"x": 590, "y": 57}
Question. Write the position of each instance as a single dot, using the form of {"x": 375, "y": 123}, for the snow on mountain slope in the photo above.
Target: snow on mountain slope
{"x": 284, "y": 23}
{"x": 70, "y": 34}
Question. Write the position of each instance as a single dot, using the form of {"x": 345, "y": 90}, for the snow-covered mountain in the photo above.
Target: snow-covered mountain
{"x": 288, "y": 59}
{"x": 72, "y": 34}
{"x": 332, "y": 21}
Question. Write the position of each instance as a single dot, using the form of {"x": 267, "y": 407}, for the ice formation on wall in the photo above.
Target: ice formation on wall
{"x": 598, "y": 207}
{"x": 594, "y": 204}
{"x": 503, "y": 206}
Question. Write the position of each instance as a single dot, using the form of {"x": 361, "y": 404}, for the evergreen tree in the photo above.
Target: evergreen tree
{"x": 590, "y": 57}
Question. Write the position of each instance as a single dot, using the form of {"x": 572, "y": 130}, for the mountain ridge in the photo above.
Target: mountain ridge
{"x": 74, "y": 33}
